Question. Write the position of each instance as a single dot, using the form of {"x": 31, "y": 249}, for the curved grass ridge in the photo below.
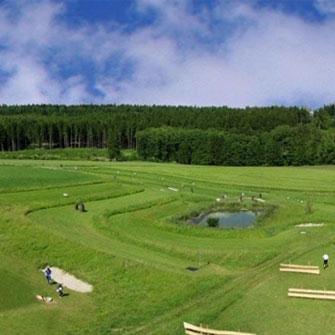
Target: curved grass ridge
{"x": 84, "y": 198}
{"x": 139, "y": 207}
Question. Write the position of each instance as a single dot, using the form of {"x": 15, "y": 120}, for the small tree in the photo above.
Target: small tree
{"x": 114, "y": 144}
{"x": 213, "y": 222}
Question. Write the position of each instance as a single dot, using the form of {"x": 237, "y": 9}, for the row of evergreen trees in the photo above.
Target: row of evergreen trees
{"x": 53, "y": 126}
{"x": 284, "y": 145}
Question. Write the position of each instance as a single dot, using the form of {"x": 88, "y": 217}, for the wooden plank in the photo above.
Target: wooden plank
{"x": 310, "y": 225}
{"x": 206, "y": 332}
{"x": 301, "y": 290}
{"x": 195, "y": 330}
{"x": 191, "y": 332}
{"x": 311, "y": 267}
{"x": 315, "y": 272}
{"x": 311, "y": 296}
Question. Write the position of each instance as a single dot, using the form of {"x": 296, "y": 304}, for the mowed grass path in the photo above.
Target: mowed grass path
{"x": 132, "y": 249}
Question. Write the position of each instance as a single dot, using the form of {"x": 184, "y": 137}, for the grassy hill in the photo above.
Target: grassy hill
{"x": 134, "y": 246}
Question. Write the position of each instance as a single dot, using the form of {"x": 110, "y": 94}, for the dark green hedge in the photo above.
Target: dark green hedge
{"x": 284, "y": 145}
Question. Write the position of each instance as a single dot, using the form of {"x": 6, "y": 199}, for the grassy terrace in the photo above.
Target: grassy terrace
{"x": 131, "y": 246}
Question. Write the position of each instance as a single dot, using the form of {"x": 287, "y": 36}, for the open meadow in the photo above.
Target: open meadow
{"x": 134, "y": 246}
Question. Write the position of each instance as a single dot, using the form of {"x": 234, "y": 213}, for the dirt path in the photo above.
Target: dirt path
{"x": 70, "y": 281}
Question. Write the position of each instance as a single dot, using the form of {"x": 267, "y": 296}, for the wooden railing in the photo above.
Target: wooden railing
{"x": 194, "y": 330}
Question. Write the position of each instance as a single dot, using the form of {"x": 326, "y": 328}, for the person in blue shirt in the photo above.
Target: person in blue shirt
{"x": 47, "y": 274}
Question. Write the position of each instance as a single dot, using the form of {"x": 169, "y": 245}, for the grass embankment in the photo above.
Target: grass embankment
{"x": 134, "y": 252}
{"x": 93, "y": 154}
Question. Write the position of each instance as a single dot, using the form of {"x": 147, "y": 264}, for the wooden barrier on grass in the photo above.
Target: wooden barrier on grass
{"x": 300, "y": 268}
{"x": 309, "y": 225}
{"x": 194, "y": 330}
{"x": 311, "y": 294}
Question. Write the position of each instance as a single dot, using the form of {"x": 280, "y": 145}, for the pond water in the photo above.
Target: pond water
{"x": 241, "y": 219}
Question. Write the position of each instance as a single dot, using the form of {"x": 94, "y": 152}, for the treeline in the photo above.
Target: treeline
{"x": 191, "y": 135}
{"x": 284, "y": 145}
{"x": 58, "y": 126}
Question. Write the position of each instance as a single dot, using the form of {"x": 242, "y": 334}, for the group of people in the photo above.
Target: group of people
{"x": 59, "y": 289}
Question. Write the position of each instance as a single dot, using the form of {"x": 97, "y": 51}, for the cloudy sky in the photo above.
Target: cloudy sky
{"x": 185, "y": 52}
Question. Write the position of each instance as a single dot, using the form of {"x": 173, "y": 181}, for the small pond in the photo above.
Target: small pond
{"x": 241, "y": 219}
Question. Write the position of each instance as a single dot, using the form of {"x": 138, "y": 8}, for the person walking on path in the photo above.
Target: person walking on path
{"x": 60, "y": 290}
{"x": 47, "y": 274}
{"x": 325, "y": 258}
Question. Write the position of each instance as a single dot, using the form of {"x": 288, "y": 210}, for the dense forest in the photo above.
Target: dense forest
{"x": 284, "y": 145}
{"x": 88, "y": 125}
{"x": 193, "y": 135}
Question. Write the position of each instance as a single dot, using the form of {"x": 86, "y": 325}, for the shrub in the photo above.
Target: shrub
{"x": 213, "y": 222}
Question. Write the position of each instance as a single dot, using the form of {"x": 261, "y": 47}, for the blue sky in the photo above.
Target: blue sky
{"x": 185, "y": 52}
{"x": 124, "y": 11}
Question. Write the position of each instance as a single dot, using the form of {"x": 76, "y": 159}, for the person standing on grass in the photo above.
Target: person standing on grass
{"x": 325, "y": 258}
{"x": 47, "y": 274}
{"x": 60, "y": 290}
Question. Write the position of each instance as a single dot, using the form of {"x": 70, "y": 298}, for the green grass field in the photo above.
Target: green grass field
{"x": 134, "y": 248}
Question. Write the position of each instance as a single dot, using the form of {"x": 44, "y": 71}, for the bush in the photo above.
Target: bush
{"x": 213, "y": 222}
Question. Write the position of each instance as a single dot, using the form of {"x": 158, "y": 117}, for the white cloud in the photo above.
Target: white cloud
{"x": 250, "y": 57}
{"x": 28, "y": 38}
{"x": 275, "y": 59}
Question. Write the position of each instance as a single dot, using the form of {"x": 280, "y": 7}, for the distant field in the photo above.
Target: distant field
{"x": 23, "y": 178}
{"x": 133, "y": 246}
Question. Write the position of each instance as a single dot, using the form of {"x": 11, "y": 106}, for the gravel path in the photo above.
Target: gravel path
{"x": 70, "y": 281}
